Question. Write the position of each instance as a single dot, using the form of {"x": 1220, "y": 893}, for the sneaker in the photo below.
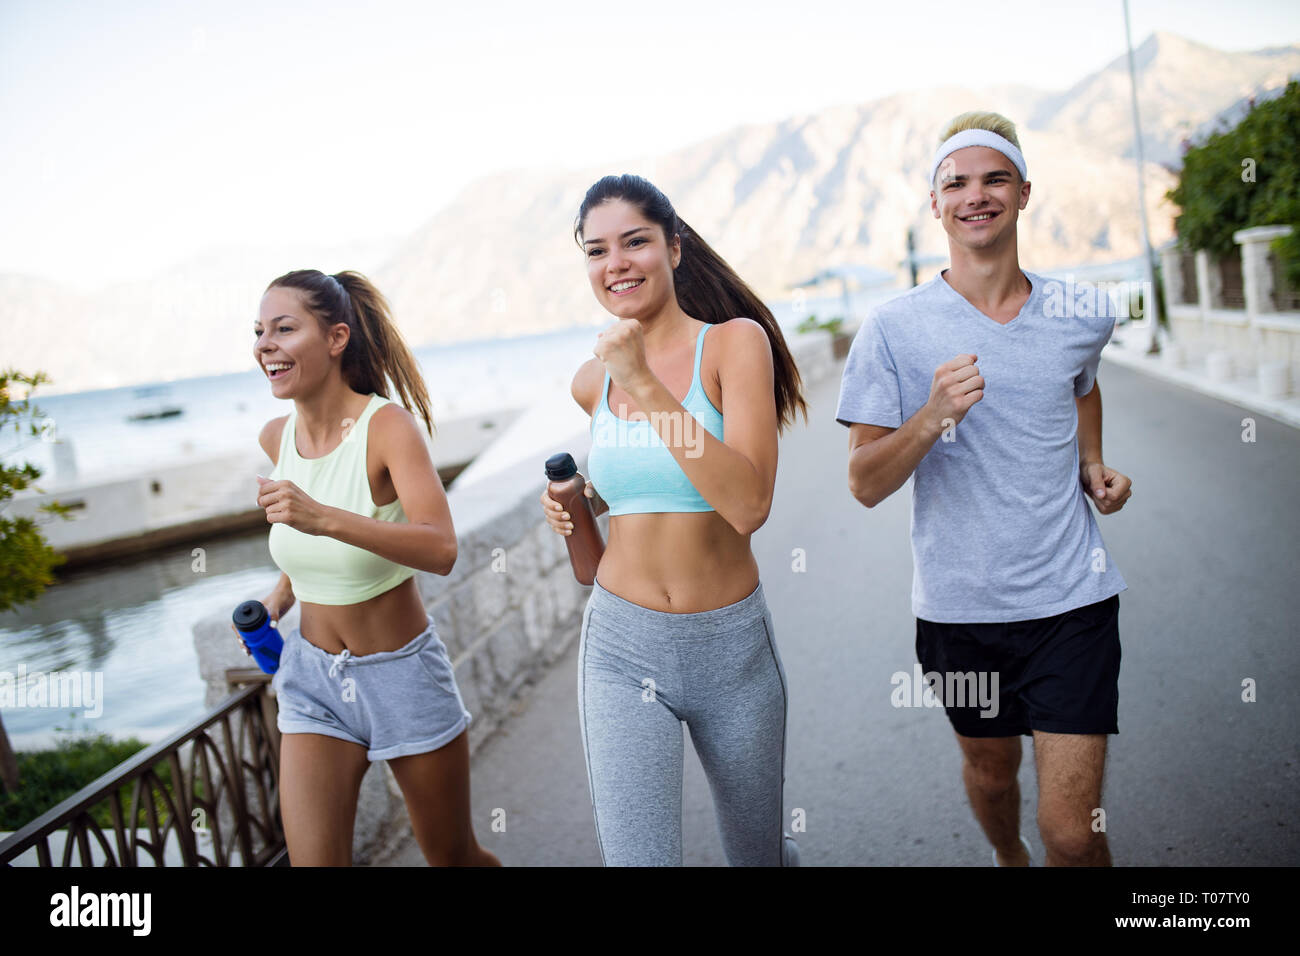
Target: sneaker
{"x": 791, "y": 851}
{"x": 1027, "y": 850}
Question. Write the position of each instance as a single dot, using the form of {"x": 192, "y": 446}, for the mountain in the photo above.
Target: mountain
{"x": 192, "y": 318}
{"x": 1180, "y": 85}
{"x": 780, "y": 201}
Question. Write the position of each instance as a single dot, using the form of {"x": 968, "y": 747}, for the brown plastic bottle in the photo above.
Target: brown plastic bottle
{"x": 585, "y": 543}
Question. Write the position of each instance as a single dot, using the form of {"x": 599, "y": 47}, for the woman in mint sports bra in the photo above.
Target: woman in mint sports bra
{"x": 688, "y": 393}
{"x": 356, "y": 507}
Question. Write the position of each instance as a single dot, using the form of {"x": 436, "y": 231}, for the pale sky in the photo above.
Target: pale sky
{"x": 138, "y": 134}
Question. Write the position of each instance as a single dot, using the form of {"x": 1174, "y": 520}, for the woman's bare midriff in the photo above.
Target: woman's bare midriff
{"x": 384, "y": 623}
{"x": 681, "y": 563}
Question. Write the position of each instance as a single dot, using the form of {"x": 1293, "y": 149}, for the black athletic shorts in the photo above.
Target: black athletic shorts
{"x": 1057, "y": 674}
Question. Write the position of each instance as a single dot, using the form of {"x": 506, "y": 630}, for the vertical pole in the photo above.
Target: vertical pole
{"x": 911, "y": 254}
{"x": 1148, "y": 271}
{"x": 8, "y": 762}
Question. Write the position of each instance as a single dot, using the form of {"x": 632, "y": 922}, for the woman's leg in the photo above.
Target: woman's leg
{"x": 320, "y": 779}
{"x": 435, "y": 785}
{"x": 737, "y": 719}
{"x": 632, "y": 739}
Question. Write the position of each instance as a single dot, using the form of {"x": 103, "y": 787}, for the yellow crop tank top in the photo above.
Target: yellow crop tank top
{"x": 324, "y": 570}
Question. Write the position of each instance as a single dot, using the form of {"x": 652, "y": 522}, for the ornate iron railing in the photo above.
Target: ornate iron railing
{"x": 219, "y": 795}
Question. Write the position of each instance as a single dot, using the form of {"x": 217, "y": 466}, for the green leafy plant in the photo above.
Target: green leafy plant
{"x": 27, "y": 562}
{"x": 1242, "y": 177}
{"x": 810, "y": 324}
{"x": 51, "y": 776}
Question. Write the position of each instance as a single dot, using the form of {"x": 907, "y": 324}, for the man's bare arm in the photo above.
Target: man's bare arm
{"x": 881, "y": 458}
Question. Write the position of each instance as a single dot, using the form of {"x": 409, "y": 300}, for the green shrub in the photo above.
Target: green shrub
{"x": 51, "y": 776}
{"x": 27, "y": 563}
{"x": 811, "y": 324}
{"x": 1217, "y": 197}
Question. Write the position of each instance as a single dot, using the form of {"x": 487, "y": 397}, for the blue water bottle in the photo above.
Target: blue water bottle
{"x": 264, "y": 642}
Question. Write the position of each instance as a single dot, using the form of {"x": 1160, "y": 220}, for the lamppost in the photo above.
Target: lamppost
{"x": 1148, "y": 272}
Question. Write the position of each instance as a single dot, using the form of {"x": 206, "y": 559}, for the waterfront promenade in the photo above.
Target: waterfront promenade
{"x": 1197, "y": 776}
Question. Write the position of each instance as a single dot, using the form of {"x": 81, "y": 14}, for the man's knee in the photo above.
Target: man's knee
{"x": 992, "y": 780}
{"x": 1070, "y": 837}
{"x": 991, "y": 764}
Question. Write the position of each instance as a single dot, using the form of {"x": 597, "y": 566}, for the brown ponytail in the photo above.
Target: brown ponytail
{"x": 706, "y": 287}
{"x": 376, "y": 352}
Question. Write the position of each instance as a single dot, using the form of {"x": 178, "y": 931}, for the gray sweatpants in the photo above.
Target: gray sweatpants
{"x": 641, "y": 675}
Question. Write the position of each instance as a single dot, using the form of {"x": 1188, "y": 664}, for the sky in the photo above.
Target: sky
{"x": 137, "y": 135}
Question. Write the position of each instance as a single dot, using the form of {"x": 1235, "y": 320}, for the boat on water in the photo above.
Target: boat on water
{"x": 152, "y": 404}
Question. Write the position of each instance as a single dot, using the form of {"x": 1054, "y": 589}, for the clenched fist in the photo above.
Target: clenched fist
{"x": 957, "y": 385}
{"x": 286, "y": 503}
{"x": 1107, "y": 488}
{"x": 621, "y": 348}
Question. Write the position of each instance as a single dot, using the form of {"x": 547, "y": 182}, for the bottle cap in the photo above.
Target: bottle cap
{"x": 249, "y": 616}
{"x": 561, "y": 466}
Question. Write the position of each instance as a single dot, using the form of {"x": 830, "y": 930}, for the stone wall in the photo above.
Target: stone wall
{"x": 1258, "y": 342}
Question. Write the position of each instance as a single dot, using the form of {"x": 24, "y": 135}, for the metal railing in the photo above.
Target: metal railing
{"x": 209, "y": 791}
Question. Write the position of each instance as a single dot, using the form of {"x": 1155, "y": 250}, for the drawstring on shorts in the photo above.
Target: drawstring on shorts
{"x": 340, "y": 661}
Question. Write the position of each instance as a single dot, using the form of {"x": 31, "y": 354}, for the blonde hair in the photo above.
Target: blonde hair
{"x": 982, "y": 119}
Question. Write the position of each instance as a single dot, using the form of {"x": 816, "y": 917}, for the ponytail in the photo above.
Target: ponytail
{"x": 707, "y": 288}
{"x": 376, "y": 352}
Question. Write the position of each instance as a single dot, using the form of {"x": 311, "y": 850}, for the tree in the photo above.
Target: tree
{"x": 1245, "y": 176}
{"x": 27, "y": 562}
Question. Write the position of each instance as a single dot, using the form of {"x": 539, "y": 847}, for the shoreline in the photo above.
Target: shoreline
{"x": 146, "y": 509}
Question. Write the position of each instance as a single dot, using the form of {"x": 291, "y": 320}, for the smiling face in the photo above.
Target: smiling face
{"x": 292, "y": 348}
{"x": 977, "y": 195}
{"x": 629, "y": 260}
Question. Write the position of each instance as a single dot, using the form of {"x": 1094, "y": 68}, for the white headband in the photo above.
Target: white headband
{"x": 978, "y": 137}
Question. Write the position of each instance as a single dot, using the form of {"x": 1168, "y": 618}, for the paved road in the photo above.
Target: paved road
{"x": 1208, "y": 546}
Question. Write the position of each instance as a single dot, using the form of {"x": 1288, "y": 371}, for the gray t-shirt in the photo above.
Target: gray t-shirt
{"x": 1001, "y": 526}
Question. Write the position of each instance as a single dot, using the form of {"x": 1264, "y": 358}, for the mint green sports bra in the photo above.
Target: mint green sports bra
{"x": 324, "y": 570}
{"x": 630, "y": 465}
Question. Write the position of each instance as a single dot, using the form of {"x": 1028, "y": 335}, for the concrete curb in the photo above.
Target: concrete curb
{"x": 1242, "y": 392}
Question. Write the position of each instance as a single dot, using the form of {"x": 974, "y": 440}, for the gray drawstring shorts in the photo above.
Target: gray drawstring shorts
{"x": 641, "y": 675}
{"x": 393, "y": 703}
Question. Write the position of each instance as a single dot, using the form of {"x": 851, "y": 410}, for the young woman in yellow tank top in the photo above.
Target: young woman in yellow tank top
{"x": 677, "y": 630}
{"x": 356, "y": 507}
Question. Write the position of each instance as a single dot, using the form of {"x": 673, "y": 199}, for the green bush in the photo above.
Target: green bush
{"x": 810, "y": 324}
{"x": 27, "y": 563}
{"x": 1215, "y": 194}
{"x": 51, "y": 776}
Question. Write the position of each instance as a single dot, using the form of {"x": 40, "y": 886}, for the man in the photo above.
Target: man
{"x": 1012, "y": 580}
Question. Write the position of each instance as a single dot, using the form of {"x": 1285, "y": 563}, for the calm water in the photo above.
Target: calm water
{"x": 133, "y": 622}
{"x": 222, "y": 413}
